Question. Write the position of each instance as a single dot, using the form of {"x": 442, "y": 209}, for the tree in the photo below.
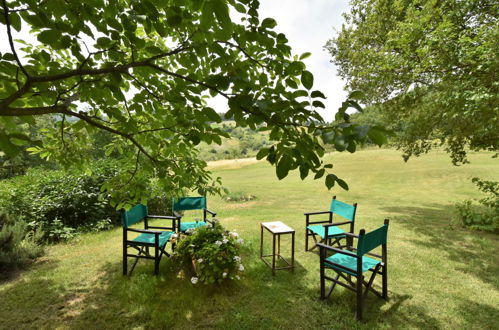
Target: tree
{"x": 142, "y": 70}
{"x": 430, "y": 65}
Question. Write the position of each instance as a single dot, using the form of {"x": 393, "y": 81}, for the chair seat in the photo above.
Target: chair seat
{"x": 333, "y": 231}
{"x": 351, "y": 262}
{"x": 187, "y": 225}
{"x": 149, "y": 238}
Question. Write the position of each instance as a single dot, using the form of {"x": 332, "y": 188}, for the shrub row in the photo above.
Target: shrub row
{"x": 63, "y": 203}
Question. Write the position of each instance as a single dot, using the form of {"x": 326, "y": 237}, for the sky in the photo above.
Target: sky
{"x": 307, "y": 24}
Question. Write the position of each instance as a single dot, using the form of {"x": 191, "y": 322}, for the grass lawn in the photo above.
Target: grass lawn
{"x": 441, "y": 276}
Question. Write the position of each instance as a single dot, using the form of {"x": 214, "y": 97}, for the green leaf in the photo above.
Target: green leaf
{"x": 319, "y": 174}
{"x": 356, "y": 106}
{"x": 307, "y": 79}
{"x": 15, "y": 21}
{"x": 303, "y": 171}
{"x": 212, "y": 114}
{"x": 356, "y": 95}
{"x": 262, "y": 153}
{"x": 377, "y": 135}
{"x": 49, "y": 37}
{"x": 342, "y": 184}
{"x": 318, "y": 104}
{"x": 8, "y": 147}
{"x": 283, "y": 166}
{"x": 305, "y": 55}
{"x": 318, "y": 94}
{"x": 269, "y": 23}
{"x": 330, "y": 179}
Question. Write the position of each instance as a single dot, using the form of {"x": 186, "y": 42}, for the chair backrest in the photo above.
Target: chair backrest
{"x": 134, "y": 215}
{"x": 188, "y": 203}
{"x": 347, "y": 211}
{"x": 372, "y": 240}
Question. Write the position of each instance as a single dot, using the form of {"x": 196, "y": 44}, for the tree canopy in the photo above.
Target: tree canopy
{"x": 143, "y": 70}
{"x": 431, "y": 68}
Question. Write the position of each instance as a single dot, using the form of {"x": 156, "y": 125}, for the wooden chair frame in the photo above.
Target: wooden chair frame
{"x": 358, "y": 287}
{"x": 206, "y": 211}
{"x": 327, "y": 223}
{"x": 143, "y": 247}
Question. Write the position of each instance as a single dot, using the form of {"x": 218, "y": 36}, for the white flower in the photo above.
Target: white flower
{"x": 174, "y": 236}
{"x": 225, "y": 240}
{"x": 224, "y": 275}
{"x": 238, "y": 277}
{"x": 194, "y": 280}
{"x": 200, "y": 260}
{"x": 234, "y": 234}
{"x": 240, "y": 241}
{"x": 189, "y": 230}
{"x": 218, "y": 243}
{"x": 241, "y": 268}
{"x": 237, "y": 258}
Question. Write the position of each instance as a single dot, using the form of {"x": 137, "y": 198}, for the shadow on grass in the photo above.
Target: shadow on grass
{"x": 476, "y": 256}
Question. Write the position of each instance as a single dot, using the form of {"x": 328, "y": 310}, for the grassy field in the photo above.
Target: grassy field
{"x": 441, "y": 276}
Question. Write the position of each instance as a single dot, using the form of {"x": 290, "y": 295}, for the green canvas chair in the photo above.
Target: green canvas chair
{"x": 325, "y": 231}
{"x": 148, "y": 238}
{"x": 187, "y": 204}
{"x": 353, "y": 262}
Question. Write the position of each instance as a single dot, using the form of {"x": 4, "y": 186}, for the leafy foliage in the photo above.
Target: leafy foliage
{"x": 60, "y": 202}
{"x": 430, "y": 66}
{"x": 142, "y": 71}
{"x": 18, "y": 246}
{"x": 484, "y": 216}
{"x": 214, "y": 253}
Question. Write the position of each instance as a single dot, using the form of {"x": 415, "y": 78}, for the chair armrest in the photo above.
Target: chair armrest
{"x": 336, "y": 224}
{"x": 163, "y": 217}
{"x": 177, "y": 215}
{"x": 327, "y": 247}
{"x": 318, "y": 212}
{"x": 211, "y": 212}
{"x": 351, "y": 235}
{"x": 145, "y": 231}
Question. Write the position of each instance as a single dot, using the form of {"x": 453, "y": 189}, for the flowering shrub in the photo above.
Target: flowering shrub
{"x": 210, "y": 255}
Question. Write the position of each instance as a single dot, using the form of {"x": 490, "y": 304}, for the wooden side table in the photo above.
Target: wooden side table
{"x": 277, "y": 228}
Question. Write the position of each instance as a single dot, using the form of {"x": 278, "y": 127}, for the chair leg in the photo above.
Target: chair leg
{"x": 156, "y": 261}
{"x": 360, "y": 279}
{"x": 385, "y": 282}
{"x": 306, "y": 240}
{"x": 323, "y": 283}
{"x": 125, "y": 261}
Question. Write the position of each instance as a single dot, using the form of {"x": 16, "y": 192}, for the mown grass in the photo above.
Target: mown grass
{"x": 441, "y": 275}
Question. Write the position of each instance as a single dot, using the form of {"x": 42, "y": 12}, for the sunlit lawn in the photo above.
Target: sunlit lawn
{"x": 441, "y": 276}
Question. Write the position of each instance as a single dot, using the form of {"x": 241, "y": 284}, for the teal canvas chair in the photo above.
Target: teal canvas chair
{"x": 325, "y": 231}
{"x": 187, "y": 204}
{"x": 150, "y": 237}
{"x": 354, "y": 262}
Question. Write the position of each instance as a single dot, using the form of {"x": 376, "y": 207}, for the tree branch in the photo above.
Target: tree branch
{"x": 251, "y": 58}
{"x": 11, "y": 41}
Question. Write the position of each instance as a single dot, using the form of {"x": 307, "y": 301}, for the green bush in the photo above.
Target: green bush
{"x": 482, "y": 214}
{"x": 59, "y": 202}
{"x": 18, "y": 246}
{"x": 210, "y": 255}
{"x": 64, "y": 203}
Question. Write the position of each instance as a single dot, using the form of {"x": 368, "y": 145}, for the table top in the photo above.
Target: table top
{"x": 277, "y": 227}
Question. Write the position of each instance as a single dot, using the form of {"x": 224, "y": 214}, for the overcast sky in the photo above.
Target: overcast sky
{"x": 308, "y": 24}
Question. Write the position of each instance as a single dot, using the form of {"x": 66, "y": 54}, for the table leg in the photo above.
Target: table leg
{"x": 273, "y": 254}
{"x": 278, "y": 244}
{"x": 261, "y": 241}
{"x": 293, "y": 251}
